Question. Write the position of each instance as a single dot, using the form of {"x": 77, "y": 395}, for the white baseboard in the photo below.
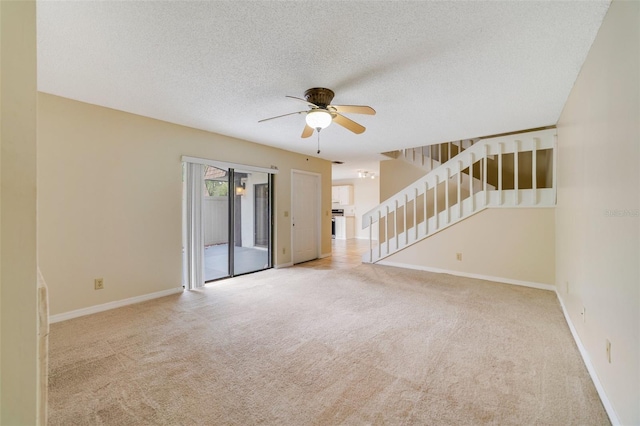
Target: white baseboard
{"x": 112, "y": 305}
{"x": 540, "y": 286}
{"x": 587, "y": 362}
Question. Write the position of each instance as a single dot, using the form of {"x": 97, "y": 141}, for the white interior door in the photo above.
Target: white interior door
{"x": 305, "y": 190}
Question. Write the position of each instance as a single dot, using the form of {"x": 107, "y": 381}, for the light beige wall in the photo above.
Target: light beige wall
{"x": 514, "y": 244}
{"x": 1, "y": 116}
{"x": 598, "y": 229}
{"x": 366, "y": 195}
{"x": 395, "y": 175}
{"x": 109, "y": 201}
{"x": 18, "y": 309}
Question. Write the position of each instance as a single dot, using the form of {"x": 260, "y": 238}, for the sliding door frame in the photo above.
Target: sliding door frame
{"x": 231, "y": 205}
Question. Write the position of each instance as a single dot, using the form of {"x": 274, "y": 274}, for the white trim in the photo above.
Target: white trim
{"x": 112, "y": 305}
{"x": 283, "y": 265}
{"x": 590, "y": 368}
{"x": 227, "y": 165}
{"x": 306, "y": 172}
{"x": 519, "y": 207}
{"x": 531, "y": 284}
{"x": 194, "y": 238}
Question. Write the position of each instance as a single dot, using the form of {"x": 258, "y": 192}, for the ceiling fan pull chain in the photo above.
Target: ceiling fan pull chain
{"x": 318, "y": 129}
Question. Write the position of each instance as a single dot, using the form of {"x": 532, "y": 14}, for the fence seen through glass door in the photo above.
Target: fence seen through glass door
{"x": 215, "y": 222}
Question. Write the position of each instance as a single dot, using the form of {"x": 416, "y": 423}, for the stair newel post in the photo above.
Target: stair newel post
{"x": 500, "y": 150}
{"x": 515, "y": 171}
{"x": 371, "y": 238}
{"x": 426, "y": 218}
{"x": 395, "y": 223}
{"x": 405, "y": 224}
{"x": 459, "y": 189}
{"x": 435, "y": 203}
{"x": 471, "y": 182}
{"x": 446, "y": 195}
{"x": 415, "y": 212}
{"x": 385, "y": 229}
{"x": 484, "y": 175}
{"x": 534, "y": 170}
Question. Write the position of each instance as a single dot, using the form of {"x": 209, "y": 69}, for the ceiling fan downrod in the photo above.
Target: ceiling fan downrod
{"x": 318, "y": 130}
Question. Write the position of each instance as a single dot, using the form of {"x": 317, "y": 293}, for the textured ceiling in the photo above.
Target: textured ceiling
{"x": 434, "y": 71}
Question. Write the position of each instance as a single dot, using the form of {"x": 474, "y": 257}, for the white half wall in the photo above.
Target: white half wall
{"x": 516, "y": 245}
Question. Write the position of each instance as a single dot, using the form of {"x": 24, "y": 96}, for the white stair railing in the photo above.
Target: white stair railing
{"x": 431, "y": 156}
{"x": 459, "y": 188}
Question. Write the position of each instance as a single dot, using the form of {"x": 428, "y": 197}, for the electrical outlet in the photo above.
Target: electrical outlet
{"x": 609, "y": 351}
{"x": 284, "y": 250}
{"x": 98, "y": 283}
{"x": 459, "y": 256}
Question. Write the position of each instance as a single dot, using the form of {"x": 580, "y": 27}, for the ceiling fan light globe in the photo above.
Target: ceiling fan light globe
{"x": 318, "y": 118}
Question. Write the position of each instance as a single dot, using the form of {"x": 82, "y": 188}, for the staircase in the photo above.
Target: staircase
{"x": 464, "y": 178}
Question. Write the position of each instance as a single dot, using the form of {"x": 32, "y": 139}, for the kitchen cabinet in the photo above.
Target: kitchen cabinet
{"x": 342, "y": 194}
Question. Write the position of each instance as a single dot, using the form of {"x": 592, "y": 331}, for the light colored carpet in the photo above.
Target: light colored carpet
{"x": 316, "y": 346}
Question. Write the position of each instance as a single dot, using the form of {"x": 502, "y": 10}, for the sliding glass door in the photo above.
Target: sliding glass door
{"x": 251, "y": 236}
{"x": 215, "y": 223}
{"x": 228, "y": 217}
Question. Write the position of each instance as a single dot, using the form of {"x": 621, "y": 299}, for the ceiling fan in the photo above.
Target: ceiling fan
{"x": 322, "y": 113}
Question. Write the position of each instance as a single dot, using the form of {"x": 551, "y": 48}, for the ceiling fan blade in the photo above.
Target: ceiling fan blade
{"x": 303, "y": 100}
{"x": 348, "y": 124}
{"x": 308, "y": 131}
{"x": 278, "y": 116}
{"x": 354, "y": 109}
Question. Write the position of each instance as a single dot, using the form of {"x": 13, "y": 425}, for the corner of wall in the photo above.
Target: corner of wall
{"x": 19, "y": 381}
